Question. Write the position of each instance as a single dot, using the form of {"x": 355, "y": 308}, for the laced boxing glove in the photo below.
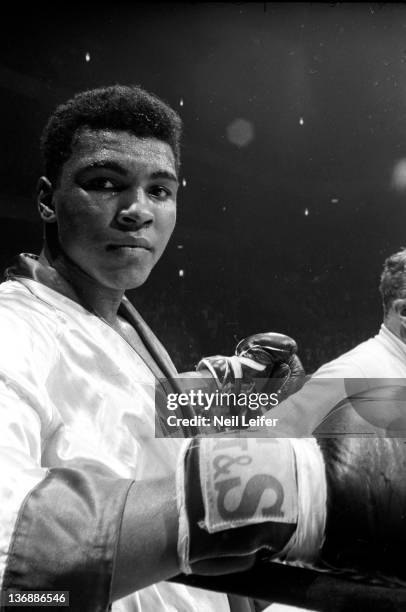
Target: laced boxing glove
{"x": 260, "y": 357}
{"x": 334, "y": 504}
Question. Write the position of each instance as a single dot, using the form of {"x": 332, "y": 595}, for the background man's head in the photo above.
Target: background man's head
{"x": 393, "y": 291}
{"x": 108, "y": 199}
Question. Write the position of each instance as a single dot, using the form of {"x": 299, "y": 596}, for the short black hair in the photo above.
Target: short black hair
{"x": 117, "y": 107}
{"x": 393, "y": 279}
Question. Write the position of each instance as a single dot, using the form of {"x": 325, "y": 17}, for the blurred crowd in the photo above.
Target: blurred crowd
{"x": 324, "y": 322}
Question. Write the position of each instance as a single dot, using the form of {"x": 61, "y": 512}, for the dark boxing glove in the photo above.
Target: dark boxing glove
{"x": 365, "y": 475}
{"x": 256, "y": 359}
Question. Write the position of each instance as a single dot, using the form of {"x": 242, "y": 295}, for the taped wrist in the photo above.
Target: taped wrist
{"x": 239, "y": 495}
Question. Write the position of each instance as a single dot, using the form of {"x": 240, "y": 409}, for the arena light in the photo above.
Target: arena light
{"x": 398, "y": 180}
{"x": 240, "y": 132}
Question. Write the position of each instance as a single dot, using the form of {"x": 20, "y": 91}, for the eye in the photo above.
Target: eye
{"x": 159, "y": 192}
{"x": 101, "y": 183}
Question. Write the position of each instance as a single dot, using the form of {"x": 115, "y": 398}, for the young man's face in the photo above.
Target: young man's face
{"x": 115, "y": 205}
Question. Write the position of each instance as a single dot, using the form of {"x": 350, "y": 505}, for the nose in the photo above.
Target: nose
{"x": 136, "y": 211}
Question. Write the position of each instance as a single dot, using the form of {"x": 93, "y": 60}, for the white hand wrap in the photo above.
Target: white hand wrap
{"x": 254, "y": 481}
{"x": 305, "y": 544}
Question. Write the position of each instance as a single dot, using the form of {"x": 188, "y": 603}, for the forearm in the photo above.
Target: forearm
{"x": 147, "y": 547}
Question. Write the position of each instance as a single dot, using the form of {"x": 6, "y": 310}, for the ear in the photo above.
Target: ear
{"x": 45, "y": 205}
{"x": 399, "y": 306}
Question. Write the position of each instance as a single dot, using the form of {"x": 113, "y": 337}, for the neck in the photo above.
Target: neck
{"x": 97, "y": 298}
{"x": 393, "y": 324}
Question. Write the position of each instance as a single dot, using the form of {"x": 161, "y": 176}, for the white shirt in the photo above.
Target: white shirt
{"x": 381, "y": 360}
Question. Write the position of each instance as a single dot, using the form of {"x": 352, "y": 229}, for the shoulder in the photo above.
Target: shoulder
{"x": 26, "y": 322}
{"x": 19, "y": 302}
{"x": 363, "y": 361}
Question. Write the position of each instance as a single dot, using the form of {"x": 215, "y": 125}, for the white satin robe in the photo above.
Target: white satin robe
{"x": 74, "y": 393}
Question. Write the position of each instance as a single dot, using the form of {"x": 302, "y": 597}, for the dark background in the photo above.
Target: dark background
{"x": 286, "y": 217}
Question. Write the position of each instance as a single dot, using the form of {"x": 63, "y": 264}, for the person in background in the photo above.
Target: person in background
{"x": 378, "y": 362}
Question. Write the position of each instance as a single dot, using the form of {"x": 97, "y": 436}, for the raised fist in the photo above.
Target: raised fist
{"x": 257, "y": 359}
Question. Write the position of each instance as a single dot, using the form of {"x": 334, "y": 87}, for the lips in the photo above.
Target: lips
{"x": 128, "y": 242}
